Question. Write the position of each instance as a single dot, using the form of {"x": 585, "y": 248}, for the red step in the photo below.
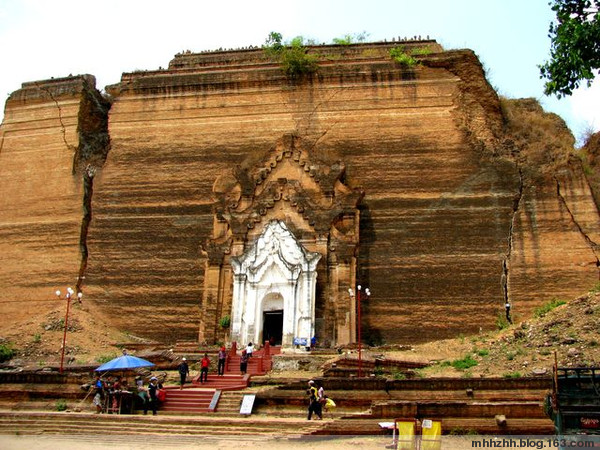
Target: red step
{"x": 227, "y": 382}
{"x": 190, "y": 400}
{"x": 257, "y": 364}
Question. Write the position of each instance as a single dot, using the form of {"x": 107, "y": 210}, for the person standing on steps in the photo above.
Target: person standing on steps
{"x": 204, "y": 365}
{"x": 314, "y": 405}
{"x": 152, "y": 401}
{"x": 184, "y": 371}
{"x": 221, "y": 362}
{"x": 249, "y": 350}
{"x": 244, "y": 362}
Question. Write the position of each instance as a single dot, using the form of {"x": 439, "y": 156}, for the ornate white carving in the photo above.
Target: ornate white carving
{"x": 276, "y": 265}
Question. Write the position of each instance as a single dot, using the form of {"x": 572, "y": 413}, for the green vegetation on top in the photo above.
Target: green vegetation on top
{"x": 348, "y": 39}
{"x": 400, "y": 55}
{"x": 293, "y": 56}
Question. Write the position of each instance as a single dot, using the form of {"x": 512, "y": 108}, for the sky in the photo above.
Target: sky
{"x": 40, "y": 39}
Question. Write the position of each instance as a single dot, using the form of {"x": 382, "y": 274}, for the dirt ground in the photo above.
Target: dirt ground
{"x": 525, "y": 348}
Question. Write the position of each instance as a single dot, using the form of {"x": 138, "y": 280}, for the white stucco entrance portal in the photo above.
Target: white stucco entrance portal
{"x": 275, "y": 274}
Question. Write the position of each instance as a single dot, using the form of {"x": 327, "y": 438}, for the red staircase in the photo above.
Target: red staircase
{"x": 197, "y": 398}
{"x": 259, "y": 364}
{"x": 187, "y": 400}
{"x": 227, "y": 382}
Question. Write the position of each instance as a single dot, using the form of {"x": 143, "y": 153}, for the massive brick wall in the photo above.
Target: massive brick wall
{"x": 44, "y": 151}
{"x": 451, "y": 223}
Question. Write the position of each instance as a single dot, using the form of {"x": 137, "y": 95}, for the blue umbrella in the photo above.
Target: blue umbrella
{"x": 123, "y": 363}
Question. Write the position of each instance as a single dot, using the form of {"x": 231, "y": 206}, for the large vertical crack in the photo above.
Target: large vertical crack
{"x": 591, "y": 244}
{"x": 88, "y": 188}
{"x": 506, "y": 261}
{"x": 63, "y": 129}
{"x": 89, "y": 156}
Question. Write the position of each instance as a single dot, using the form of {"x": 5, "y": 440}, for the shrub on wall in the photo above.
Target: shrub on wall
{"x": 399, "y": 55}
{"x": 225, "y": 322}
{"x": 293, "y": 56}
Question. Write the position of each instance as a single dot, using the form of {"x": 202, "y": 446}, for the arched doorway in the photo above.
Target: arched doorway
{"x": 272, "y": 319}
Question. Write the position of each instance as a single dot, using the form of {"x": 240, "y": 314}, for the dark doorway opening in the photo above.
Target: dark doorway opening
{"x": 273, "y": 326}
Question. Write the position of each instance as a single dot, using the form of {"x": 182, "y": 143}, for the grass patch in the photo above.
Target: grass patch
{"x": 463, "y": 364}
{"x": 512, "y": 375}
{"x": 595, "y": 289}
{"x": 61, "y": 405}
{"x": 546, "y": 308}
{"x": 396, "y": 375}
{"x": 105, "y": 358}
{"x": 501, "y": 322}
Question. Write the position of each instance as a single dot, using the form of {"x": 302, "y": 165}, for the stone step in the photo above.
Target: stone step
{"x": 151, "y": 429}
{"x": 230, "y": 402}
{"x": 102, "y": 424}
{"x": 355, "y": 398}
{"x": 521, "y": 409}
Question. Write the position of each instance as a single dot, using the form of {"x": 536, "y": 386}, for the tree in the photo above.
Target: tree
{"x": 575, "y": 46}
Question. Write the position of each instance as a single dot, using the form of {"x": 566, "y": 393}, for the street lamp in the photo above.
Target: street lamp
{"x": 68, "y": 296}
{"x": 359, "y": 297}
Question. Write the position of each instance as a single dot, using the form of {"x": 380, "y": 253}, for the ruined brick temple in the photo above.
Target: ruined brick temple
{"x": 223, "y": 190}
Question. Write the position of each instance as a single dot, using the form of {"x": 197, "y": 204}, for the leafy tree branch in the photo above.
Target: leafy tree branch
{"x": 575, "y": 46}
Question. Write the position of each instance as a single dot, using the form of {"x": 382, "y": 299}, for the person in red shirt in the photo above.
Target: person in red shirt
{"x": 204, "y": 365}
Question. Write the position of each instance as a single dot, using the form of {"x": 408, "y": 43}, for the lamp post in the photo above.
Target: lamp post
{"x": 68, "y": 296}
{"x": 358, "y": 300}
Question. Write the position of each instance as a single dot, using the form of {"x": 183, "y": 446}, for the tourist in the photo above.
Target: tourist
{"x": 221, "y": 362}
{"x": 314, "y": 405}
{"x": 244, "y": 362}
{"x": 142, "y": 394}
{"x": 115, "y": 394}
{"x": 152, "y": 400}
{"x": 204, "y": 365}
{"x": 98, "y": 398}
{"x": 249, "y": 350}
{"x": 97, "y": 401}
{"x": 184, "y": 371}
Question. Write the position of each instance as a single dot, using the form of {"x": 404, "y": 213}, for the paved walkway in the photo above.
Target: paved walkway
{"x": 92, "y": 442}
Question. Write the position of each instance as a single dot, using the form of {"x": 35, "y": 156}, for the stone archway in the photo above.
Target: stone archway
{"x": 315, "y": 213}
